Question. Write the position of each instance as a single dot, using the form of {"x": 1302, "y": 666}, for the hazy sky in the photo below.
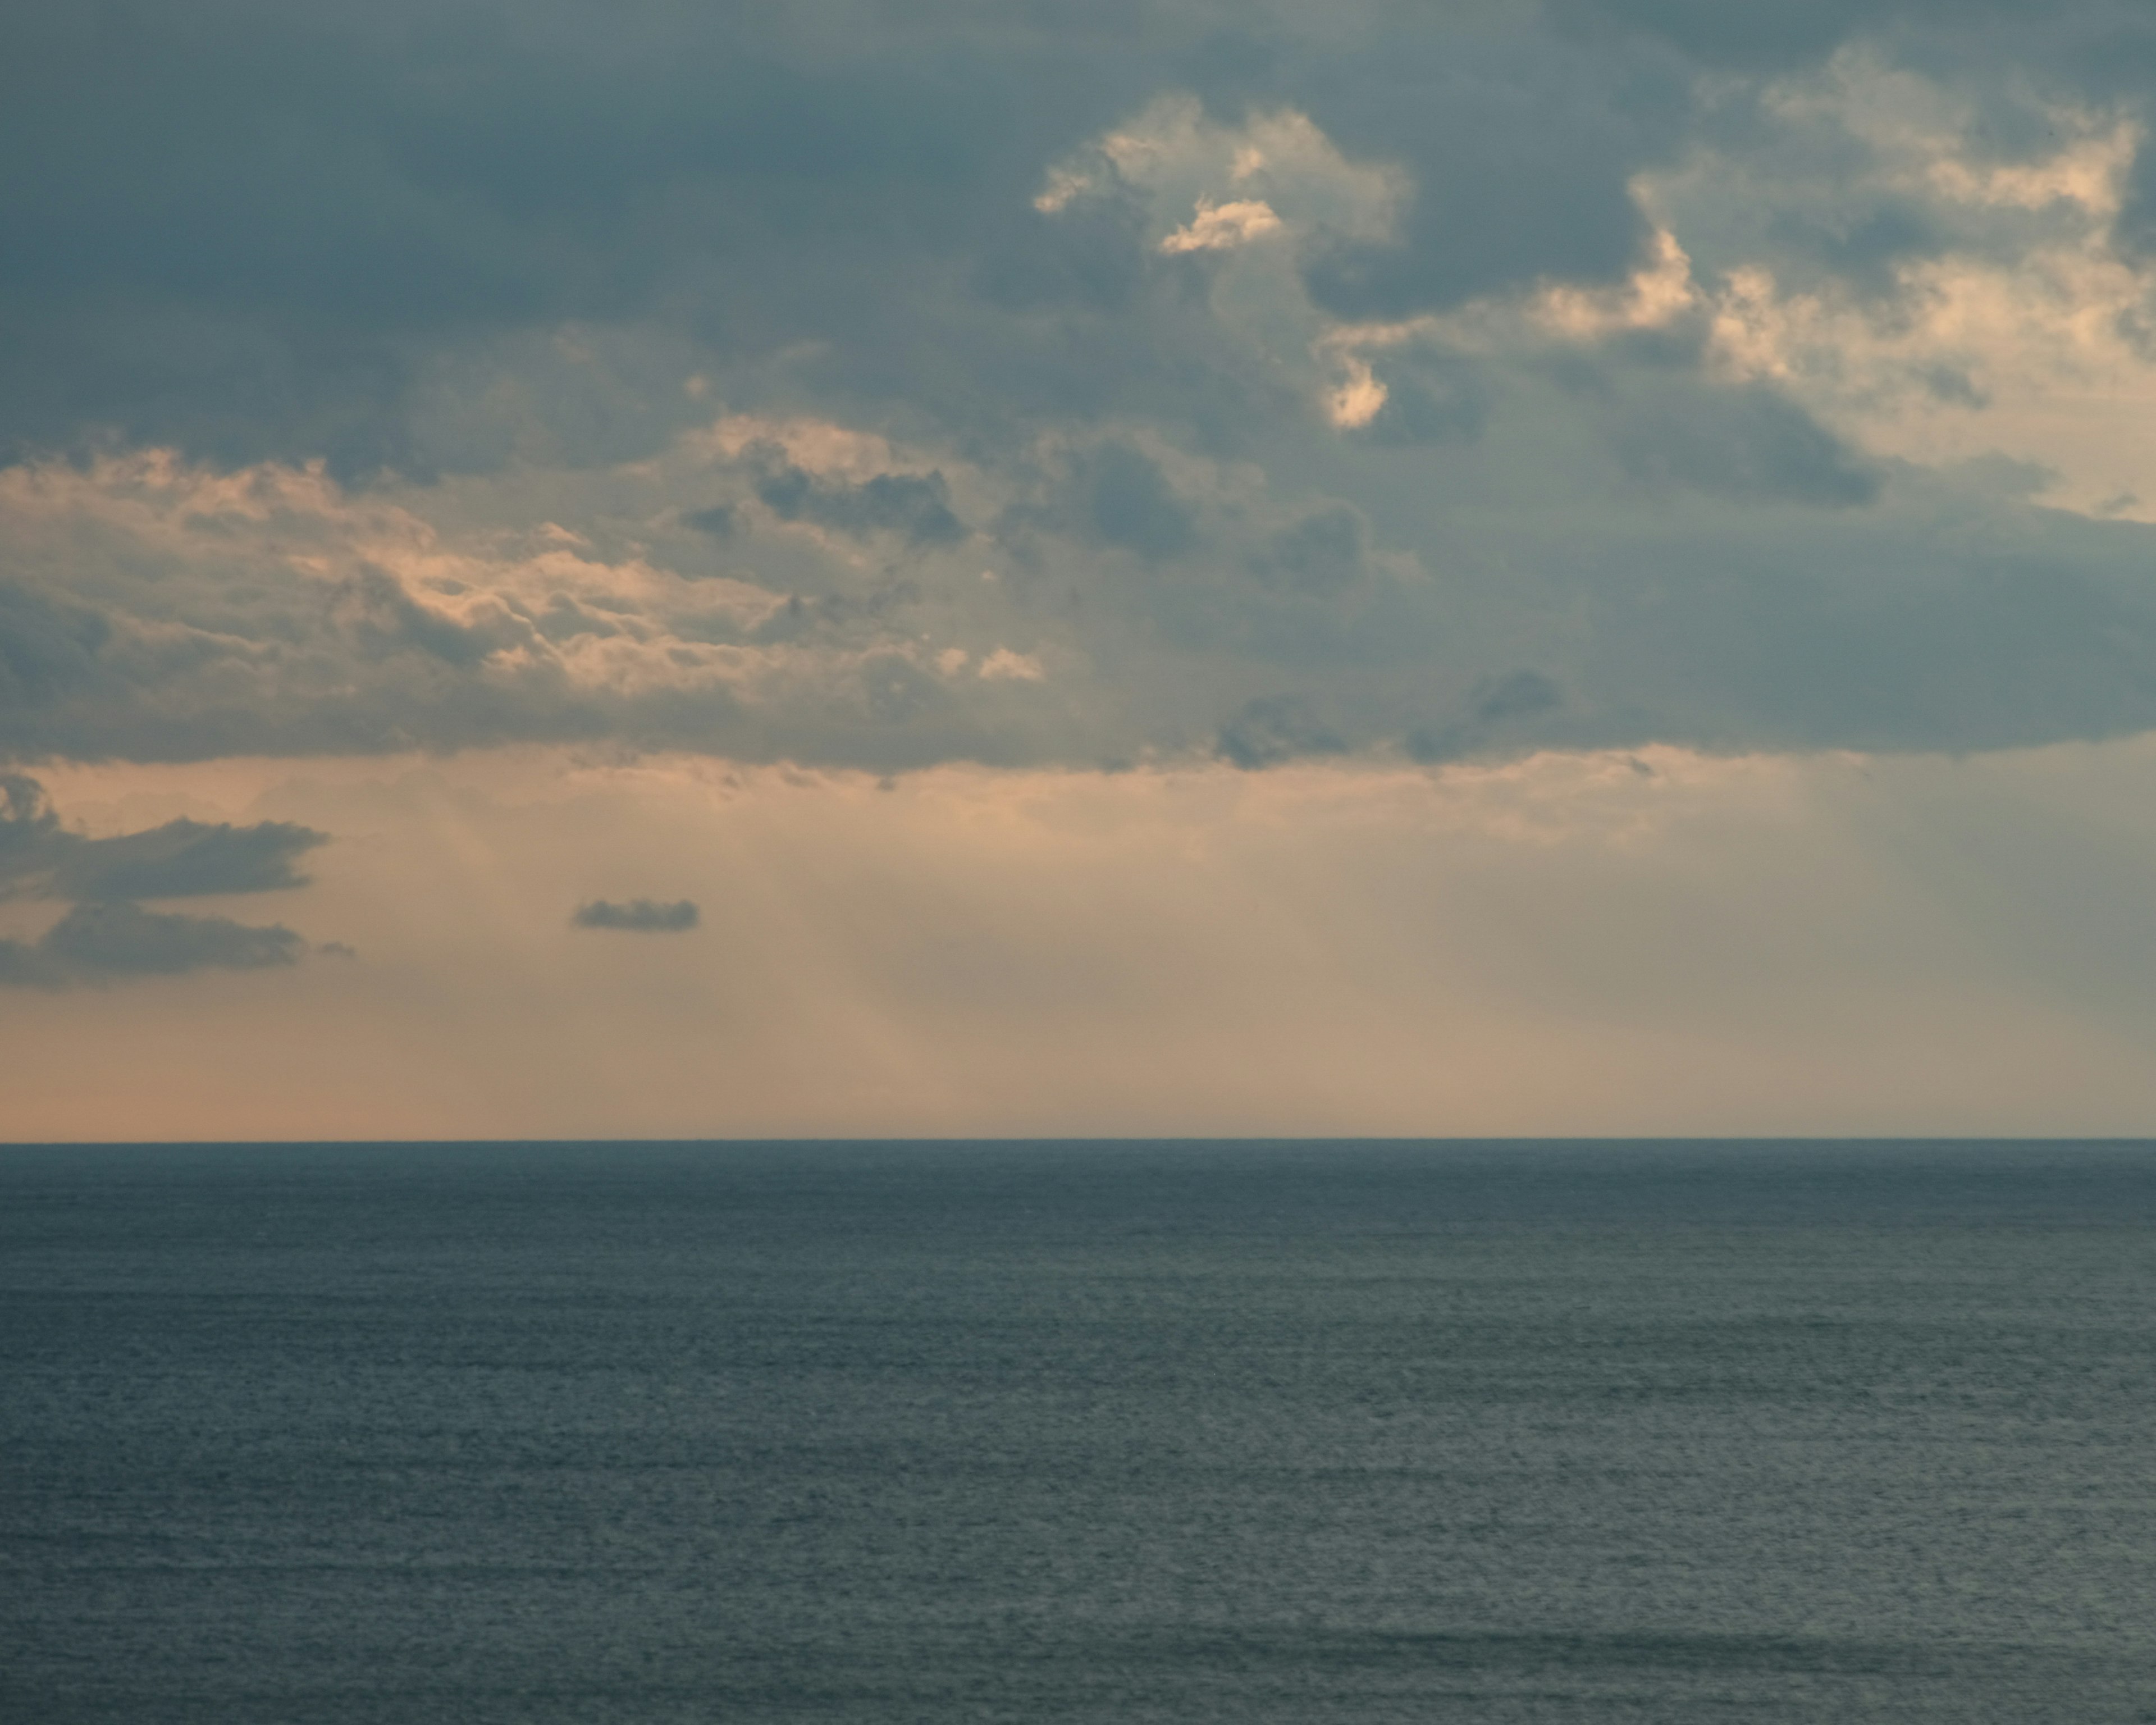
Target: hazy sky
{"x": 1007, "y": 566}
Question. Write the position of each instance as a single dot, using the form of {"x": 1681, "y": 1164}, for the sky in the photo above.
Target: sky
{"x": 1039, "y": 569}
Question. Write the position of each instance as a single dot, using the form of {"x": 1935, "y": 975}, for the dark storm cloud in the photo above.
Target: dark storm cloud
{"x": 248, "y": 229}
{"x": 260, "y": 229}
{"x": 1119, "y": 508}
{"x": 641, "y": 916}
{"x": 257, "y": 231}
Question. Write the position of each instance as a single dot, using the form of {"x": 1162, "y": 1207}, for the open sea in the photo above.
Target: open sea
{"x": 1104, "y": 1432}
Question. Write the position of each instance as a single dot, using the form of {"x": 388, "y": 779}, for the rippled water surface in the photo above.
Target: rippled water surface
{"x": 1248, "y": 1432}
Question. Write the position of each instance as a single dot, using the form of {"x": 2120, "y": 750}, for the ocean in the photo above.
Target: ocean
{"x": 1102, "y": 1432}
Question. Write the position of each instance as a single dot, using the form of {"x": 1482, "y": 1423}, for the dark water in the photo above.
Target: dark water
{"x": 1103, "y": 1433}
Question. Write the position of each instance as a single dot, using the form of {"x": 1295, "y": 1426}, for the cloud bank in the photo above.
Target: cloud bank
{"x": 1036, "y": 388}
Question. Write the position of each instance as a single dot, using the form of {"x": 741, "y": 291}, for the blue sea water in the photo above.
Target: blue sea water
{"x": 1077, "y": 1432}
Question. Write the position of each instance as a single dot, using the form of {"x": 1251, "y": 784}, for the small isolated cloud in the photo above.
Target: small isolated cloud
{"x": 110, "y": 943}
{"x": 642, "y": 916}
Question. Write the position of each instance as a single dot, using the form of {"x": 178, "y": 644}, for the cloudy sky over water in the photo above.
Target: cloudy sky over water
{"x": 658, "y": 569}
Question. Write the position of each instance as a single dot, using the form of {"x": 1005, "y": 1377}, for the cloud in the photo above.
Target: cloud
{"x": 642, "y": 915}
{"x": 1223, "y": 227}
{"x": 1765, "y": 37}
{"x": 28, "y": 827}
{"x": 1501, "y": 710}
{"x": 1273, "y": 729}
{"x": 1294, "y": 382}
{"x": 1411, "y": 397}
{"x": 916, "y": 506}
{"x": 1007, "y": 666}
{"x": 251, "y": 273}
{"x": 100, "y": 943}
{"x": 182, "y": 858}
{"x": 1751, "y": 444}
{"x": 1248, "y": 401}
{"x": 105, "y": 938}
{"x": 185, "y": 858}
{"x": 1680, "y": 587}
{"x": 1322, "y": 552}
{"x": 49, "y": 650}
{"x": 1128, "y": 503}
